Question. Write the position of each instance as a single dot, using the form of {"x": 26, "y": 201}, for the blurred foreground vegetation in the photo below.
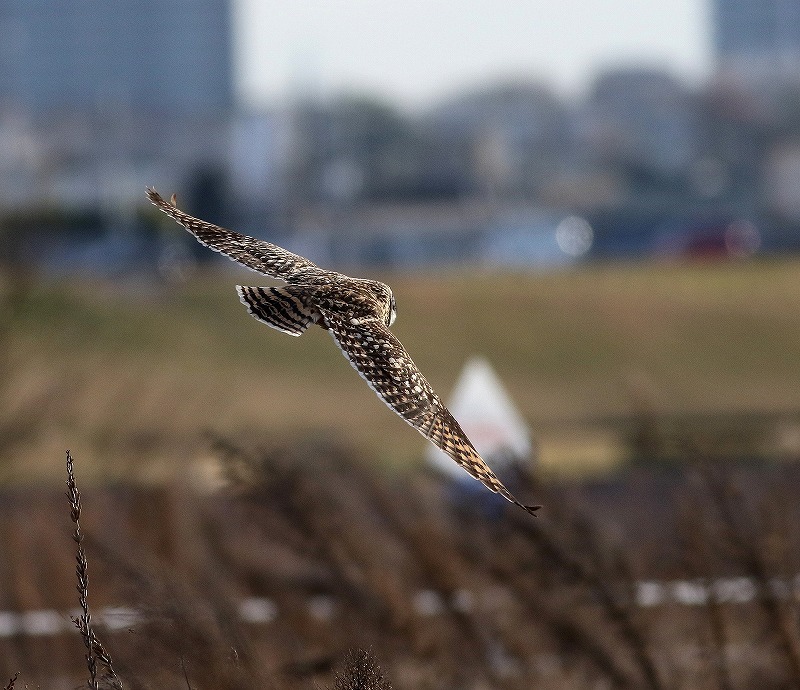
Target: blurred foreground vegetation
{"x": 653, "y": 581}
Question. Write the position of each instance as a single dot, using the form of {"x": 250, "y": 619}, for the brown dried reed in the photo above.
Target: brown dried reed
{"x": 95, "y": 652}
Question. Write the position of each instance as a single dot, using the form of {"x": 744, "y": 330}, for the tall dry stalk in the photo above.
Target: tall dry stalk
{"x": 95, "y": 652}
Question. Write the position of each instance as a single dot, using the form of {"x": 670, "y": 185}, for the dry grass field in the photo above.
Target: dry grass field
{"x": 230, "y": 470}
{"x": 133, "y": 374}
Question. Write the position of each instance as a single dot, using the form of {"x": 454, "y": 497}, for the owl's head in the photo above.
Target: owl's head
{"x": 384, "y": 295}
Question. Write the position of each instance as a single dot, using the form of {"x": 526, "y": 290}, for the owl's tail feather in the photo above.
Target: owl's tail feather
{"x": 283, "y": 308}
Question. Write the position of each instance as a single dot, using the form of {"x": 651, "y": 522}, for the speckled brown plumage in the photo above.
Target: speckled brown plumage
{"x": 357, "y": 313}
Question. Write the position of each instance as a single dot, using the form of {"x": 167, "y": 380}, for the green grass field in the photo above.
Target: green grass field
{"x": 133, "y": 375}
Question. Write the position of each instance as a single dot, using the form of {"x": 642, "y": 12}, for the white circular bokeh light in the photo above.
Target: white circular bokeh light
{"x": 574, "y": 236}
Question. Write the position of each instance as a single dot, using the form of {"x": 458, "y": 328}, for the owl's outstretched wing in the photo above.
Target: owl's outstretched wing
{"x": 259, "y": 255}
{"x": 385, "y": 365}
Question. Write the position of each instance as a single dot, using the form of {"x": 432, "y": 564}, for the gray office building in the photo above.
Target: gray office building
{"x": 758, "y": 36}
{"x": 100, "y": 97}
{"x": 145, "y": 55}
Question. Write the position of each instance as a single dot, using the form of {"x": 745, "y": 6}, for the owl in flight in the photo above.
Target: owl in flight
{"x": 357, "y": 313}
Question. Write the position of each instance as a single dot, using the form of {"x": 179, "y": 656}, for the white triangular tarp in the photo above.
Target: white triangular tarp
{"x": 483, "y": 408}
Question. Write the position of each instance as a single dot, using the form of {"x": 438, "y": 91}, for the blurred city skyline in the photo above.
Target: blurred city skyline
{"x": 449, "y": 138}
{"x": 423, "y": 51}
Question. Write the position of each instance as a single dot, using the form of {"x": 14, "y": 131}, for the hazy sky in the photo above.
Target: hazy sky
{"x": 415, "y": 51}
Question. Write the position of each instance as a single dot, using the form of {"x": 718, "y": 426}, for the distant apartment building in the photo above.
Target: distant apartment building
{"x": 757, "y": 38}
{"x": 98, "y": 97}
{"x": 641, "y": 119}
{"x": 146, "y": 55}
{"x": 513, "y": 136}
